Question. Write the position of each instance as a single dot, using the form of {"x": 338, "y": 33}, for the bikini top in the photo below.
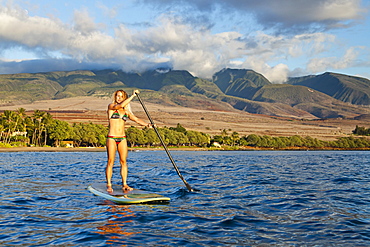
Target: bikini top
{"x": 116, "y": 115}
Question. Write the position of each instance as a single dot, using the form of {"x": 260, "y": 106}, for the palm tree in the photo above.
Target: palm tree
{"x": 235, "y": 137}
{"x": 10, "y": 120}
{"x": 37, "y": 118}
{"x": 22, "y": 114}
{"x": 46, "y": 121}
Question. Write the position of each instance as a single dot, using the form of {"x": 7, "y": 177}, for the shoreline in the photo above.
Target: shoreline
{"x": 103, "y": 149}
{"x": 88, "y": 149}
{"x": 51, "y": 149}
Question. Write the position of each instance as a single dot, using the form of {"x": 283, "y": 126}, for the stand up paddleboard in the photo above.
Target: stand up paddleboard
{"x": 130, "y": 197}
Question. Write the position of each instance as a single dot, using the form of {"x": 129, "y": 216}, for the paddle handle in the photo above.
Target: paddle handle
{"x": 164, "y": 145}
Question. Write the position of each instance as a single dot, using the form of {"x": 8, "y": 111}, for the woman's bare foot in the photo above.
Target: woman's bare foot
{"x": 109, "y": 188}
{"x": 126, "y": 188}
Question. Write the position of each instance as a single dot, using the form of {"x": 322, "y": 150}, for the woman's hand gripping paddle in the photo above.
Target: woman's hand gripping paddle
{"x": 164, "y": 145}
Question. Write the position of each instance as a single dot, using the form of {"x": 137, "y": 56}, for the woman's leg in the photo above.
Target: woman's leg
{"x": 123, "y": 150}
{"x": 111, "y": 153}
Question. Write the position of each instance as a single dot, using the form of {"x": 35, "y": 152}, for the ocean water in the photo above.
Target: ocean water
{"x": 245, "y": 198}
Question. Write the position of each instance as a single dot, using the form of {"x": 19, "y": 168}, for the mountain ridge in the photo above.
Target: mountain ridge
{"x": 350, "y": 89}
{"x": 303, "y": 97}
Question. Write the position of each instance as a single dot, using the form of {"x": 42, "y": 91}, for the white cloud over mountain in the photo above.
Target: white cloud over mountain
{"x": 289, "y": 31}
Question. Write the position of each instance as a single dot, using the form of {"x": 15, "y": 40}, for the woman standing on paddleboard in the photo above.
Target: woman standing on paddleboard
{"x": 118, "y": 113}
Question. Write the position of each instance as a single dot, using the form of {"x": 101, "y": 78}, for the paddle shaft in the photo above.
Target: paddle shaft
{"x": 164, "y": 145}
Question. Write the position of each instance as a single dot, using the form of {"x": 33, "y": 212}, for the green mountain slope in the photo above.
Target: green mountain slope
{"x": 272, "y": 109}
{"x": 296, "y": 101}
{"x": 239, "y": 82}
{"x": 27, "y": 88}
{"x": 351, "y": 89}
{"x": 299, "y": 97}
{"x": 230, "y": 89}
{"x": 284, "y": 93}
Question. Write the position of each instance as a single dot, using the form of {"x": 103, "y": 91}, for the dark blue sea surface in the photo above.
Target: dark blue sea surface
{"x": 245, "y": 198}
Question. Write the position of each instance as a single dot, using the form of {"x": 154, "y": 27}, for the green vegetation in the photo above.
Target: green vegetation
{"x": 40, "y": 129}
{"x": 361, "y": 131}
{"x": 282, "y": 142}
{"x": 233, "y": 81}
{"x": 351, "y": 89}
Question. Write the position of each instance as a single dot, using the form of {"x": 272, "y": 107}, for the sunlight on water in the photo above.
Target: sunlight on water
{"x": 246, "y": 198}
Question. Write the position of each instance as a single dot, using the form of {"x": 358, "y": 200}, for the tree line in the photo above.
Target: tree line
{"x": 282, "y": 142}
{"x": 41, "y": 129}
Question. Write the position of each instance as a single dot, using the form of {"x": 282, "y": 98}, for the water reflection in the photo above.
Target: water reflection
{"x": 119, "y": 224}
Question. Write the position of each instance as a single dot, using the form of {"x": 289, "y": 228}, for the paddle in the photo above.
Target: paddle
{"x": 164, "y": 145}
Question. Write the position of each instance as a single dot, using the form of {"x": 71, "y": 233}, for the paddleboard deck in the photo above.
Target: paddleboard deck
{"x": 130, "y": 197}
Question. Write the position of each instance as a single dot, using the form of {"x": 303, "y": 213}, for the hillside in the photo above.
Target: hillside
{"x": 239, "y": 82}
{"x": 350, "y": 89}
{"x": 282, "y": 99}
{"x": 27, "y": 88}
{"x": 303, "y": 98}
{"x": 230, "y": 90}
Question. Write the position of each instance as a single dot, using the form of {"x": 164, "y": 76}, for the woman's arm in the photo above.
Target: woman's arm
{"x": 138, "y": 120}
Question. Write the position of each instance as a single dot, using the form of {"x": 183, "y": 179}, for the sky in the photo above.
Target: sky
{"x": 277, "y": 38}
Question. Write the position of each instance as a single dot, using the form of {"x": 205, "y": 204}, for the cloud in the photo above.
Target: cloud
{"x": 350, "y": 58}
{"x": 313, "y": 15}
{"x": 283, "y": 15}
{"x": 84, "y": 23}
{"x": 169, "y": 41}
{"x": 270, "y": 49}
{"x": 275, "y": 74}
{"x": 83, "y": 41}
{"x": 20, "y": 29}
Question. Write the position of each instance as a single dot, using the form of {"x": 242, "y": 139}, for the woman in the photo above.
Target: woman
{"x": 118, "y": 113}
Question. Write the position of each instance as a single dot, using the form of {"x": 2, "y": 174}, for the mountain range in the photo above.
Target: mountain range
{"x": 329, "y": 95}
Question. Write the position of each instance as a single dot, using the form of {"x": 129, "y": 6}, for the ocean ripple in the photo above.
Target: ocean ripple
{"x": 245, "y": 198}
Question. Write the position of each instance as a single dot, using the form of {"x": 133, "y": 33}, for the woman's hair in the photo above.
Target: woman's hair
{"x": 125, "y": 96}
{"x": 115, "y": 94}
